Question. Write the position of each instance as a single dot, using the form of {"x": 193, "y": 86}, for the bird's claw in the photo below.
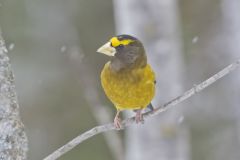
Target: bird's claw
{"x": 117, "y": 122}
{"x": 139, "y": 117}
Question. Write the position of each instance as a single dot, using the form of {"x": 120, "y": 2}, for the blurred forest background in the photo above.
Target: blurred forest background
{"x": 52, "y": 46}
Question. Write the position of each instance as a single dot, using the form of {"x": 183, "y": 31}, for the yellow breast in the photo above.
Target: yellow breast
{"x": 130, "y": 89}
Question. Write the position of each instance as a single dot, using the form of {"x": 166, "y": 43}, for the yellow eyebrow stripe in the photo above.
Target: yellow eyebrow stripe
{"x": 115, "y": 42}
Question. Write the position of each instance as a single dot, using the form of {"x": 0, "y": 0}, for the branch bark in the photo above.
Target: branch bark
{"x": 13, "y": 139}
{"x": 127, "y": 122}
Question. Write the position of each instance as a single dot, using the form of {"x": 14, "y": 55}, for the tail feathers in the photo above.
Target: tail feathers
{"x": 150, "y": 106}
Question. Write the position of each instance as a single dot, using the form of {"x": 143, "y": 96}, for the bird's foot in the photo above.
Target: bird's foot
{"x": 117, "y": 122}
{"x": 139, "y": 117}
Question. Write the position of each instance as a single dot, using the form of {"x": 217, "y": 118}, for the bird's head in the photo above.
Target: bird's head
{"x": 126, "y": 50}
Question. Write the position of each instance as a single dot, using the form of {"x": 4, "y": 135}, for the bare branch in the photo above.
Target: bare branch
{"x": 13, "y": 139}
{"x": 127, "y": 122}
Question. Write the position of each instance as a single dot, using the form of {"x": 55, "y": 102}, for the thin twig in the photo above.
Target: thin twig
{"x": 108, "y": 127}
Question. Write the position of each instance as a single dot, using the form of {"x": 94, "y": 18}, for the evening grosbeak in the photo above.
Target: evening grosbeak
{"x": 127, "y": 79}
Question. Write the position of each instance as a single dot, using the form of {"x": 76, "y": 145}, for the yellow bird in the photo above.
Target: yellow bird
{"x": 127, "y": 79}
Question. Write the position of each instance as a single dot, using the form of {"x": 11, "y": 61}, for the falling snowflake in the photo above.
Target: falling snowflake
{"x": 63, "y": 49}
{"x": 195, "y": 39}
{"x": 11, "y": 46}
{"x": 180, "y": 119}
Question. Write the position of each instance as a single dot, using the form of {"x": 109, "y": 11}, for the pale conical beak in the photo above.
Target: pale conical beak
{"x": 107, "y": 49}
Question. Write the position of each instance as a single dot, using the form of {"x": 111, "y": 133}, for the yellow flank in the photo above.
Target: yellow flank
{"x": 129, "y": 89}
{"x": 115, "y": 42}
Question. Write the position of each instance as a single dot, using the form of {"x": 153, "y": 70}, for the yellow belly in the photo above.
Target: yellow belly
{"x": 130, "y": 89}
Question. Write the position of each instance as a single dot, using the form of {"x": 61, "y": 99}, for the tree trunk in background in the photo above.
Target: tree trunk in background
{"x": 13, "y": 140}
{"x": 156, "y": 24}
{"x": 211, "y": 113}
{"x": 231, "y": 19}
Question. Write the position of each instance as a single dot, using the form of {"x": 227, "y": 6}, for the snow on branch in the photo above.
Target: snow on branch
{"x": 13, "y": 139}
{"x": 127, "y": 122}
